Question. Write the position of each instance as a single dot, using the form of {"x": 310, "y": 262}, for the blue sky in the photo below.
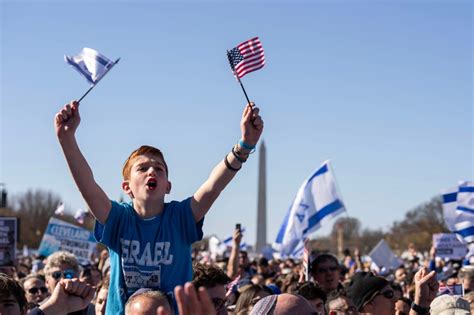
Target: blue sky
{"x": 382, "y": 88}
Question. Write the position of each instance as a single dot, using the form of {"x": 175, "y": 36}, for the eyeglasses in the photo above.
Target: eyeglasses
{"x": 327, "y": 270}
{"x": 387, "y": 294}
{"x": 35, "y": 290}
{"x": 67, "y": 274}
{"x": 218, "y": 303}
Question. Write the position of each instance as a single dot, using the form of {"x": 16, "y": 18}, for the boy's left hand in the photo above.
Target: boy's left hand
{"x": 251, "y": 124}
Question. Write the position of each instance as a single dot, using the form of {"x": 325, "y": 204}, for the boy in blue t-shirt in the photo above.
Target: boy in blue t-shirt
{"x": 149, "y": 240}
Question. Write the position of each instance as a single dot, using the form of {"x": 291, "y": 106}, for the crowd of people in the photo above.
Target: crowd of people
{"x": 235, "y": 284}
{"x": 148, "y": 266}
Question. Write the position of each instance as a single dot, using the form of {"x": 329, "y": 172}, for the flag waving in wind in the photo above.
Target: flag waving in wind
{"x": 316, "y": 201}
{"x": 458, "y": 211}
{"x": 92, "y": 65}
{"x": 246, "y": 57}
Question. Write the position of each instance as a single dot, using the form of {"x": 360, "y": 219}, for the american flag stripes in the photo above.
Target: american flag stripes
{"x": 306, "y": 262}
{"x": 246, "y": 57}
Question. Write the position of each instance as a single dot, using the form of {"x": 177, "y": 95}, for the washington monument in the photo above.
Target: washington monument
{"x": 262, "y": 200}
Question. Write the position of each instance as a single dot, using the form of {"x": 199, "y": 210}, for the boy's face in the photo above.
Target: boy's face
{"x": 148, "y": 180}
{"x": 9, "y": 305}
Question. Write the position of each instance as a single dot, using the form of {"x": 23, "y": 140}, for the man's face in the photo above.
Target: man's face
{"x": 342, "y": 305}
{"x": 217, "y": 296}
{"x": 400, "y": 275}
{"x": 327, "y": 274}
{"x": 401, "y": 307}
{"x": 9, "y": 306}
{"x": 382, "y": 303}
{"x": 36, "y": 290}
{"x": 318, "y": 305}
{"x": 148, "y": 180}
{"x": 64, "y": 271}
{"x": 243, "y": 260}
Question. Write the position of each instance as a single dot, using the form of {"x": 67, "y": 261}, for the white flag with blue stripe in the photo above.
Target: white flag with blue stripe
{"x": 317, "y": 201}
{"x": 91, "y": 64}
{"x": 458, "y": 210}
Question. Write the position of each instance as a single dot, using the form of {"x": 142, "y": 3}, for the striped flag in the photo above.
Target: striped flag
{"x": 91, "y": 64}
{"x": 246, "y": 57}
{"x": 317, "y": 200}
{"x": 59, "y": 209}
{"x": 458, "y": 211}
{"x": 306, "y": 262}
{"x": 80, "y": 215}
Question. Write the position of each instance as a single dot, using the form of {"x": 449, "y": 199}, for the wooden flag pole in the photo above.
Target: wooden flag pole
{"x": 235, "y": 74}
{"x": 93, "y": 85}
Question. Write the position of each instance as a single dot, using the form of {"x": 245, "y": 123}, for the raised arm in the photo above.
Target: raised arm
{"x": 251, "y": 126}
{"x": 233, "y": 264}
{"x": 66, "y": 122}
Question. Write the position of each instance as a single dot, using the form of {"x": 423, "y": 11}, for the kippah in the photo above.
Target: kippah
{"x": 265, "y": 306}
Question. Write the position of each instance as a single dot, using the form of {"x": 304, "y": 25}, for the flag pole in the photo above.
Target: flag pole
{"x": 93, "y": 85}
{"x": 236, "y": 75}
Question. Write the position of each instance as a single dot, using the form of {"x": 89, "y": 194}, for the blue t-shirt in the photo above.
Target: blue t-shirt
{"x": 154, "y": 253}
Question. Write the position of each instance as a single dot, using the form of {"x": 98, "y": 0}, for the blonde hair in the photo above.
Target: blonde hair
{"x": 59, "y": 258}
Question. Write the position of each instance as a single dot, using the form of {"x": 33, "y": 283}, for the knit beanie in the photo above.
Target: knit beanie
{"x": 362, "y": 288}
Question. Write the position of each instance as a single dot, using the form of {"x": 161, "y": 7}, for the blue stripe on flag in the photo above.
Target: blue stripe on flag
{"x": 465, "y": 209}
{"x": 466, "y": 189}
{"x": 318, "y": 216}
{"x": 78, "y": 68}
{"x": 466, "y": 232}
{"x": 450, "y": 197}
{"x": 102, "y": 61}
{"x": 321, "y": 171}
{"x": 281, "y": 233}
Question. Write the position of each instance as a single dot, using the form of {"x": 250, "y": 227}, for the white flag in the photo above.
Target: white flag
{"x": 458, "y": 211}
{"x": 91, "y": 64}
{"x": 316, "y": 201}
{"x": 80, "y": 215}
{"x": 59, "y": 209}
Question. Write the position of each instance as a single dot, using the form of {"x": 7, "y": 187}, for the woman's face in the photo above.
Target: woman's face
{"x": 36, "y": 290}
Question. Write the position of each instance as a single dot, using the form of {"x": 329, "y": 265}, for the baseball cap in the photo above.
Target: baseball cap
{"x": 450, "y": 305}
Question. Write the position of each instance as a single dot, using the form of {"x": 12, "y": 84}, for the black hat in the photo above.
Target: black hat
{"x": 362, "y": 288}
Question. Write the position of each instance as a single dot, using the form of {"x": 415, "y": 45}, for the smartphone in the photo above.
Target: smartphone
{"x": 238, "y": 226}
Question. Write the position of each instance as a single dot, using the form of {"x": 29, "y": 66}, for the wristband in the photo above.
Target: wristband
{"x": 420, "y": 309}
{"x": 237, "y": 156}
{"x": 246, "y": 146}
{"x": 229, "y": 167}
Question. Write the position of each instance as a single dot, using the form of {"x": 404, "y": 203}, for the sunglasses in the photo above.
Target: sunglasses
{"x": 67, "y": 274}
{"x": 35, "y": 290}
{"x": 327, "y": 270}
{"x": 387, "y": 294}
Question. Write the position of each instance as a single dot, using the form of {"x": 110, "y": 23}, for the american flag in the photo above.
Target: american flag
{"x": 246, "y": 57}
{"x": 306, "y": 262}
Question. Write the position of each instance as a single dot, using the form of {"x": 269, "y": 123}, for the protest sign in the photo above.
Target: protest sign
{"x": 60, "y": 235}
{"x": 448, "y": 246}
{"x": 383, "y": 256}
{"x": 8, "y": 239}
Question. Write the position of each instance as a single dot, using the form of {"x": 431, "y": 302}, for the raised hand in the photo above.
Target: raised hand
{"x": 251, "y": 124}
{"x": 67, "y": 120}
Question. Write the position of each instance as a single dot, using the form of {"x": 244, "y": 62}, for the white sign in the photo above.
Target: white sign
{"x": 448, "y": 246}
{"x": 383, "y": 256}
{"x": 60, "y": 235}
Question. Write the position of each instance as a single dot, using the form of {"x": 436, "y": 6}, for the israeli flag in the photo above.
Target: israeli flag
{"x": 317, "y": 201}
{"x": 80, "y": 215}
{"x": 91, "y": 64}
{"x": 458, "y": 211}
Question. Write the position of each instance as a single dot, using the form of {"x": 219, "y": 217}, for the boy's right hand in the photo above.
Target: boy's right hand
{"x": 67, "y": 120}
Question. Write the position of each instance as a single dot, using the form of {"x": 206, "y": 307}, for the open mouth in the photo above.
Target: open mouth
{"x": 151, "y": 184}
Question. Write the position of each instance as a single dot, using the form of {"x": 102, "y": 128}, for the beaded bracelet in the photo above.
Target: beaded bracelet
{"x": 237, "y": 156}
{"x": 229, "y": 167}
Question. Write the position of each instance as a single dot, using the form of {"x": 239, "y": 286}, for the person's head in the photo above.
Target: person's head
{"x": 35, "y": 288}
{"x": 314, "y": 294}
{"x": 249, "y": 297}
{"x": 145, "y": 174}
{"x": 371, "y": 294}
{"x": 283, "y": 304}
{"x": 101, "y": 296}
{"x": 12, "y": 296}
{"x": 60, "y": 265}
{"x": 339, "y": 304}
{"x": 244, "y": 261}
{"x": 400, "y": 275}
{"x": 402, "y": 306}
{"x": 466, "y": 277}
{"x": 147, "y": 302}
{"x": 449, "y": 305}
{"x": 214, "y": 280}
{"x": 326, "y": 272}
